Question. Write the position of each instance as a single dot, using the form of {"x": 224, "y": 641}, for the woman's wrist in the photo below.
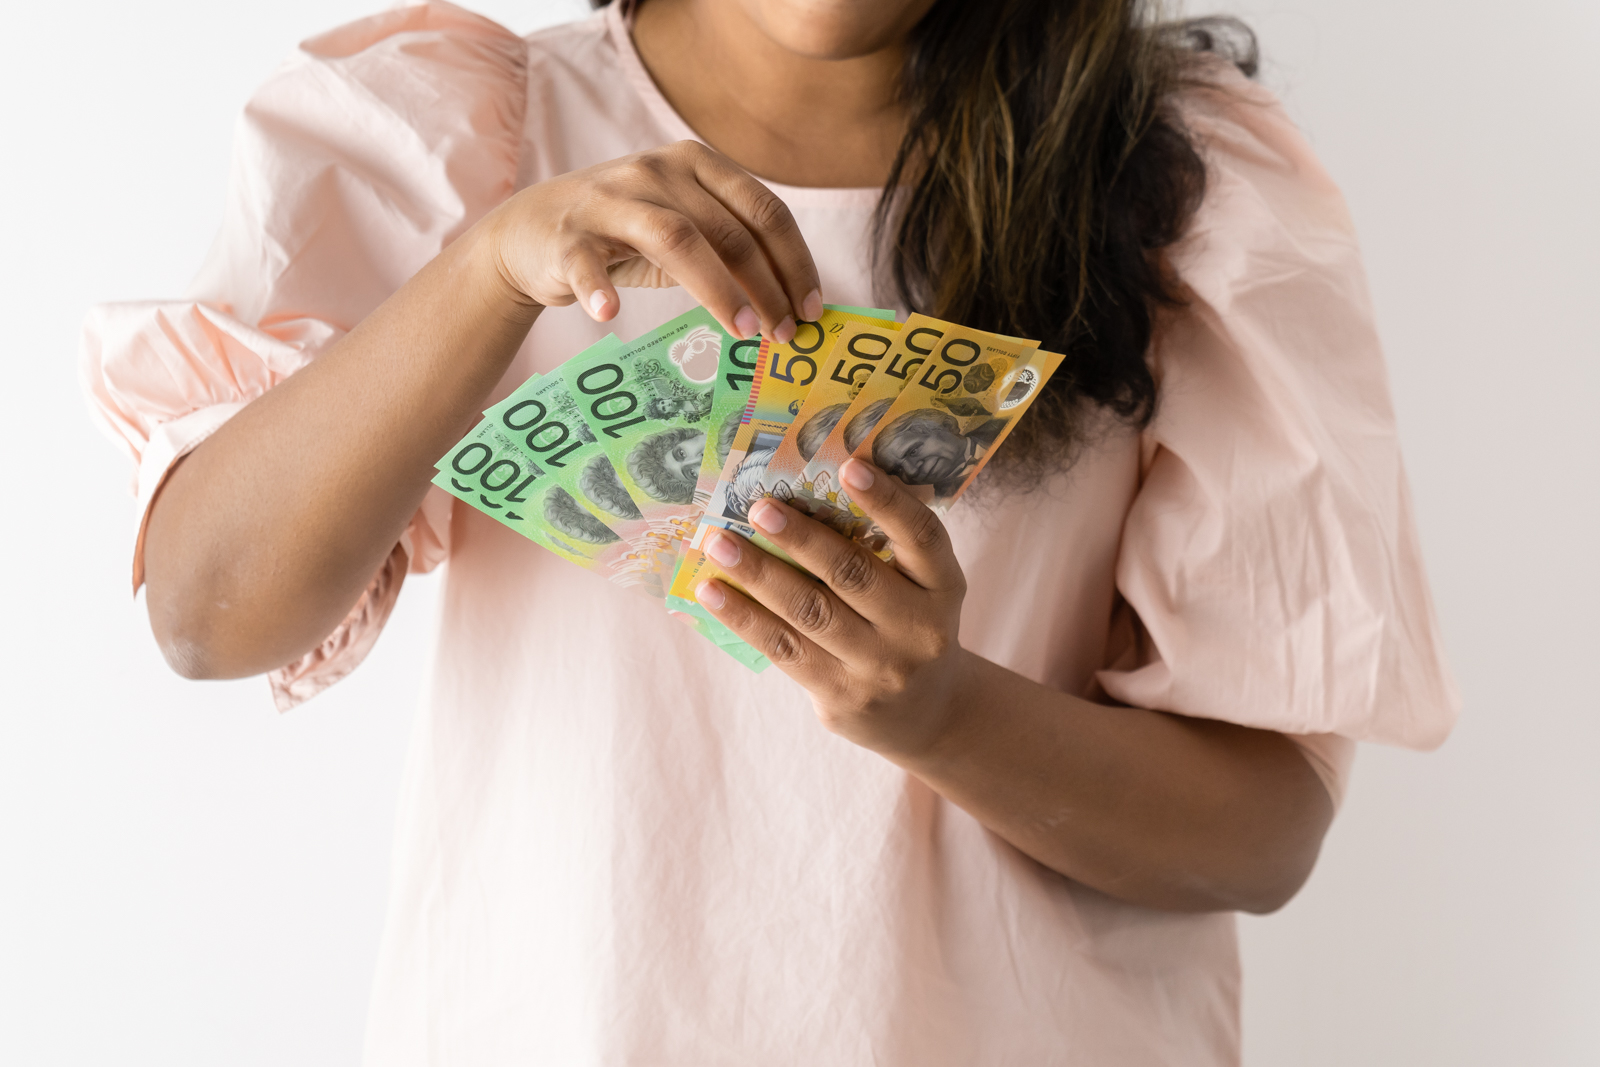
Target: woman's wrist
{"x": 490, "y": 241}
{"x": 961, "y": 704}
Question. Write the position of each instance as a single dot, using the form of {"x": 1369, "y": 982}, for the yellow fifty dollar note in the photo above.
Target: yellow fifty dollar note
{"x": 946, "y": 424}
{"x": 820, "y": 481}
{"x": 920, "y": 352}
{"x": 861, "y": 349}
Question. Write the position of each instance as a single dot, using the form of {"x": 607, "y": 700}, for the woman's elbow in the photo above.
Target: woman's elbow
{"x": 187, "y": 636}
{"x": 1263, "y": 851}
{"x": 1258, "y": 886}
{"x": 209, "y": 629}
{"x": 1272, "y": 893}
{"x": 1281, "y": 869}
{"x": 188, "y": 658}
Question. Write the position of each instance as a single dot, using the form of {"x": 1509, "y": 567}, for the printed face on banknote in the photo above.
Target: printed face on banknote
{"x": 923, "y": 448}
{"x": 665, "y": 465}
{"x": 600, "y": 486}
{"x": 746, "y": 485}
{"x": 815, "y": 430}
{"x": 572, "y": 520}
{"x": 687, "y": 457}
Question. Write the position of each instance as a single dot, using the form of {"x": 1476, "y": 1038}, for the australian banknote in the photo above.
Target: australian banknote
{"x": 649, "y": 404}
{"x": 946, "y": 424}
{"x": 608, "y": 460}
{"x": 850, "y": 363}
{"x": 818, "y": 488}
{"x": 571, "y": 500}
{"x": 785, "y": 374}
{"x": 730, "y": 397}
{"x": 492, "y": 470}
{"x": 580, "y": 498}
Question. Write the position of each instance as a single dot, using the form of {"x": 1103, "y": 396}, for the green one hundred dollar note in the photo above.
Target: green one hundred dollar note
{"x": 730, "y": 400}
{"x": 534, "y": 465}
{"x": 490, "y": 470}
{"x": 649, "y": 402}
{"x": 651, "y": 405}
{"x": 580, "y": 497}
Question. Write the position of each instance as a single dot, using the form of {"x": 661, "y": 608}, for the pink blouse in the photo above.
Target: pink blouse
{"x": 618, "y": 846}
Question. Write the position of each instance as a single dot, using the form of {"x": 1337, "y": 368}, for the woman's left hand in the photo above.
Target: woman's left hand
{"x": 875, "y": 643}
{"x": 1153, "y": 808}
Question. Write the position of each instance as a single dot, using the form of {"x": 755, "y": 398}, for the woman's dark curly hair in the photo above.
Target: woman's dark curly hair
{"x": 1043, "y": 172}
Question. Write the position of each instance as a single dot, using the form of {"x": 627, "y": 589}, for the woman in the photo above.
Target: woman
{"x": 1002, "y": 796}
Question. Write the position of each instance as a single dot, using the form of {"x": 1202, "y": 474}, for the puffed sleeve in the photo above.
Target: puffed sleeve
{"x": 367, "y": 152}
{"x": 1269, "y": 565}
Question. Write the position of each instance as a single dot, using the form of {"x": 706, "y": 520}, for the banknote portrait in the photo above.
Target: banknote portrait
{"x": 571, "y": 518}
{"x": 861, "y": 425}
{"x": 926, "y": 447}
{"x": 748, "y": 482}
{"x": 601, "y": 487}
{"x": 725, "y": 435}
{"x": 666, "y": 465}
{"x": 816, "y": 429}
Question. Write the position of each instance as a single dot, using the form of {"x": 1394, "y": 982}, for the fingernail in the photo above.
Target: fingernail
{"x": 768, "y": 516}
{"x": 783, "y": 333}
{"x": 856, "y": 474}
{"x": 709, "y": 595}
{"x": 597, "y": 302}
{"x": 723, "y": 550}
{"x": 811, "y": 307}
{"x": 746, "y": 322}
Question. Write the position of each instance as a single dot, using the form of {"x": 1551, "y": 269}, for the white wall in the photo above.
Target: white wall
{"x": 187, "y": 878}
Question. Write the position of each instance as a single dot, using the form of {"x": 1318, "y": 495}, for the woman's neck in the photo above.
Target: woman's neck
{"x": 782, "y": 116}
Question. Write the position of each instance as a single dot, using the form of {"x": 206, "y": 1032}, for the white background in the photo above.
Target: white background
{"x": 188, "y": 878}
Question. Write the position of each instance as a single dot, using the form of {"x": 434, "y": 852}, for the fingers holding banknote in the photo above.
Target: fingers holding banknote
{"x": 686, "y": 212}
{"x": 875, "y": 643}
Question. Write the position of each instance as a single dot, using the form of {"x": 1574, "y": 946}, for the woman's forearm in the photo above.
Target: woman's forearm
{"x": 1161, "y": 810}
{"x": 264, "y": 537}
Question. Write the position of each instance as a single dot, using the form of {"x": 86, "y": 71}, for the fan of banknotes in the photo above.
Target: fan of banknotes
{"x": 624, "y": 457}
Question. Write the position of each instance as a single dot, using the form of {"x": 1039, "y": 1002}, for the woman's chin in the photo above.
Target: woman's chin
{"x": 836, "y": 29}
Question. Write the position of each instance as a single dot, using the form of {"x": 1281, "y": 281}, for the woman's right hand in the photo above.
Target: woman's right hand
{"x": 679, "y": 214}
{"x": 260, "y": 540}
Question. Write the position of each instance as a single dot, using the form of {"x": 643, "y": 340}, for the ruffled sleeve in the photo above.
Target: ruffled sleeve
{"x": 371, "y": 149}
{"x": 1269, "y": 565}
